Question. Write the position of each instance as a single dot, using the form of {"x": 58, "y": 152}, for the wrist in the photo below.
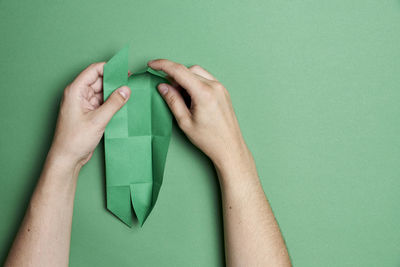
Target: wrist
{"x": 237, "y": 165}
{"x": 57, "y": 180}
{"x": 63, "y": 162}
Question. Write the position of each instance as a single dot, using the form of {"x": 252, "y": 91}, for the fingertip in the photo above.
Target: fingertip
{"x": 163, "y": 88}
{"x": 124, "y": 91}
{"x": 126, "y": 87}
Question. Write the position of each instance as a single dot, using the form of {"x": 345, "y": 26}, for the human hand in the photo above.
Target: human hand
{"x": 83, "y": 116}
{"x": 210, "y": 123}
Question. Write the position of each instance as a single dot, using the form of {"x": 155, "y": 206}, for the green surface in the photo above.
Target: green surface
{"x": 316, "y": 87}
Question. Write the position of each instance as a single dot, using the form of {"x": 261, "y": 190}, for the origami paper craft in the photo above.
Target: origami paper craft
{"x": 136, "y": 141}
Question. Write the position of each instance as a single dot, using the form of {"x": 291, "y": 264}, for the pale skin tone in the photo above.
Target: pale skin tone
{"x": 252, "y": 235}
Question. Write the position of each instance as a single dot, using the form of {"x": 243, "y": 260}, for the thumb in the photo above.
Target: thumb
{"x": 114, "y": 102}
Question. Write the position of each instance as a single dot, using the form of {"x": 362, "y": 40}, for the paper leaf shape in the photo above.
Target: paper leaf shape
{"x": 136, "y": 141}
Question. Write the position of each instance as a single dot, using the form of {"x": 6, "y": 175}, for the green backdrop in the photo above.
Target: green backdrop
{"x": 316, "y": 88}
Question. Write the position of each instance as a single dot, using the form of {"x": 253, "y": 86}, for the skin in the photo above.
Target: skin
{"x": 252, "y": 235}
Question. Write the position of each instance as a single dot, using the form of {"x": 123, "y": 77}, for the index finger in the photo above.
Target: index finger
{"x": 91, "y": 74}
{"x": 182, "y": 75}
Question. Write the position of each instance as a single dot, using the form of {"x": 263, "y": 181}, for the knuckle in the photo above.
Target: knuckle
{"x": 196, "y": 67}
{"x": 179, "y": 67}
{"x": 171, "y": 99}
{"x": 220, "y": 90}
{"x": 118, "y": 98}
{"x": 218, "y": 87}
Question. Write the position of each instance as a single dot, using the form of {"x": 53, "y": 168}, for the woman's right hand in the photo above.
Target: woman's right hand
{"x": 210, "y": 123}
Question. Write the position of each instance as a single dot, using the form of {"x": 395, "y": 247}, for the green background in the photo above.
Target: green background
{"x": 316, "y": 88}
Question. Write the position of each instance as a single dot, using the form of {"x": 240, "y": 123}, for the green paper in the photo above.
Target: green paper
{"x": 136, "y": 141}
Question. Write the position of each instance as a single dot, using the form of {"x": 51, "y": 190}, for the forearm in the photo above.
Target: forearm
{"x": 44, "y": 236}
{"x": 252, "y": 236}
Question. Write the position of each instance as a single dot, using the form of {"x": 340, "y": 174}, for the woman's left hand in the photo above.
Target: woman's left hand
{"x": 83, "y": 116}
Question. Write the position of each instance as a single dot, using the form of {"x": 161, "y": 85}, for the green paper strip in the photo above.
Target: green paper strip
{"x": 136, "y": 141}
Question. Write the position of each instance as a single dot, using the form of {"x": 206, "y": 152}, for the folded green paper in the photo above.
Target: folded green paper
{"x": 136, "y": 141}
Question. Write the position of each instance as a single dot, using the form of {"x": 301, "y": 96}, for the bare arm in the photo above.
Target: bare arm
{"x": 44, "y": 236}
{"x": 252, "y": 235}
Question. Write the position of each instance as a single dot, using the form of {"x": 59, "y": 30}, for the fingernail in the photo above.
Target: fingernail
{"x": 123, "y": 91}
{"x": 163, "y": 89}
{"x": 151, "y": 61}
